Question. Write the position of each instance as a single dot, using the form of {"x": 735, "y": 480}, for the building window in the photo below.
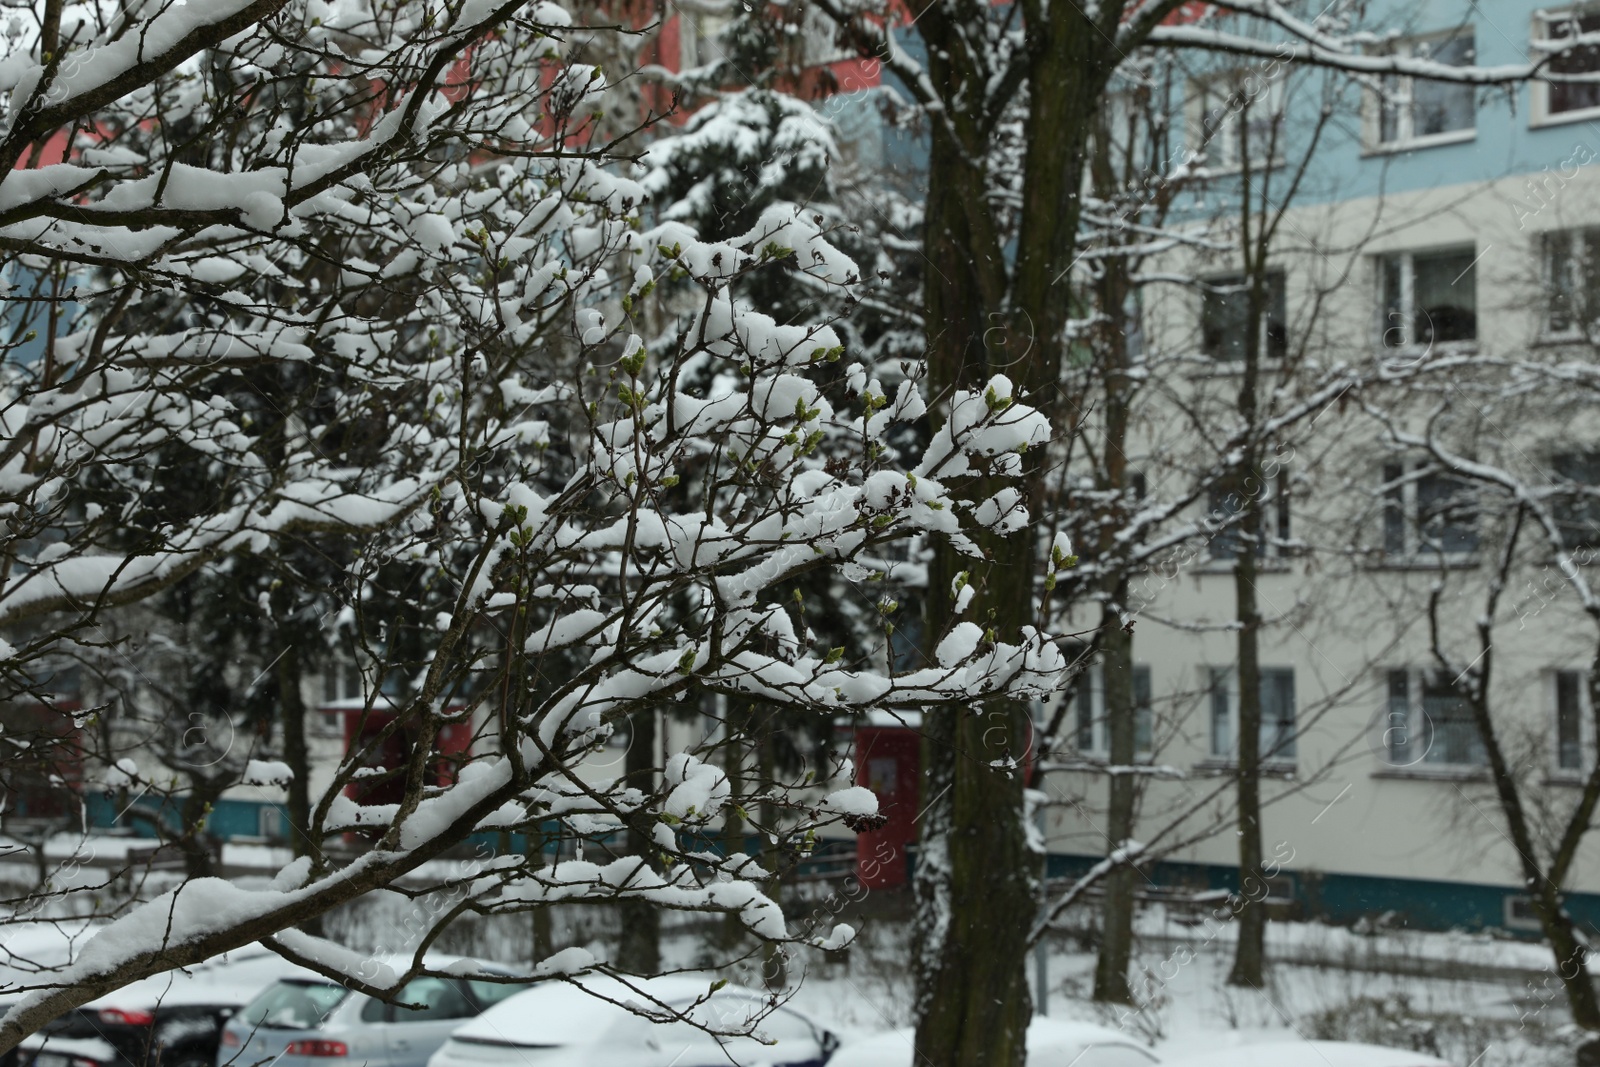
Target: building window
{"x": 1222, "y": 517}
{"x": 1520, "y": 914}
{"x": 700, "y": 35}
{"x": 269, "y": 822}
{"x": 1429, "y": 722}
{"x": 818, "y": 35}
{"x": 1429, "y": 297}
{"x": 1554, "y": 97}
{"x": 1572, "y": 699}
{"x": 1429, "y": 512}
{"x": 1093, "y": 738}
{"x": 1577, "y": 509}
{"x": 1420, "y": 111}
{"x": 905, "y": 642}
{"x": 342, "y": 681}
{"x": 1224, "y": 319}
{"x": 1572, "y": 282}
{"x": 1238, "y": 115}
{"x": 1277, "y": 736}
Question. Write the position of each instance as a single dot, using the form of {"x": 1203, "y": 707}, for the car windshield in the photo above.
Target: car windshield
{"x": 293, "y": 1006}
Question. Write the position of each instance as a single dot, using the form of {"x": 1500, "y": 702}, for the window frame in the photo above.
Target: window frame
{"x": 692, "y": 27}
{"x": 342, "y": 680}
{"x": 1542, "y": 27}
{"x": 1403, "y": 497}
{"x": 1406, "y": 259}
{"x": 1512, "y": 921}
{"x": 1407, "y": 139}
{"x": 1418, "y": 681}
{"x": 1277, "y": 516}
{"x": 1585, "y": 739}
{"x": 1089, "y": 709}
{"x": 1577, "y": 255}
{"x": 1284, "y": 761}
{"x": 1277, "y": 301}
{"x": 1227, "y": 160}
{"x": 271, "y": 823}
{"x": 1566, "y": 510}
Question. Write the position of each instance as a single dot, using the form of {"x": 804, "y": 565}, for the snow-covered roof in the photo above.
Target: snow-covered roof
{"x": 92, "y": 1048}
{"x": 1050, "y": 1041}
{"x": 574, "y": 1013}
{"x": 1308, "y": 1054}
{"x": 231, "y": 979}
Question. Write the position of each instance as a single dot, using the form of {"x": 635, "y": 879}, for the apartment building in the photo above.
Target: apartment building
{"x": 1439, "y": 225}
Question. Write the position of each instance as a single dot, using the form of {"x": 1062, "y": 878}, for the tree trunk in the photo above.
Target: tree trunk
{"x": 296, "y": 753}
{"x": 976, "y": 877}
{"x": 542, "y": 929}
{"x": 1111, "y": 346}
{"x": 1116, "y": 916}
{"x": 1544, "y": 890}
{"x": 639, "y": 939}
{"x": 974, "y": 1002}
{"x": 1249, "y": 961}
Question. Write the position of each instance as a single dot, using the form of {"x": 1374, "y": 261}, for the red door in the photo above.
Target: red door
{"x": 888, "y": 762}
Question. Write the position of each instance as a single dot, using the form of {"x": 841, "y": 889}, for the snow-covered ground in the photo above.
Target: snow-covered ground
{"x": 1483, "y": 1020}
{"x": 1474, "y": 1006}
{"x": 1475, "y": 1000}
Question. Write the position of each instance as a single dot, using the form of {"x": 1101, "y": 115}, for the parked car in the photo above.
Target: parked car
{"x": 1309, "y": 1054}
{"x": 168, "y": 1020}
{"x": 28, "y": 952}
{"x": 306, "y": 1021}
{"x": 42, "y": 1050}
{"x": 1051, "y": 1043}
{"x": 585, "y": 1024}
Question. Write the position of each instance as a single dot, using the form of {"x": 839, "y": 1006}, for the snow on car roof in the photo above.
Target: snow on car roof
{"x": 581, "y": 1012}
{"x": 92, "y": 1048}
{"x": 399, "y": 962}
{"x": 1047, "y": 1038}
{"x": 233, "y": 978}
{"x": 1308, "y": 1054}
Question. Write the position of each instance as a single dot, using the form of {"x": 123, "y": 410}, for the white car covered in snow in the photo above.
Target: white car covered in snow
{"x": 308, "y": 1021}
{"x": 1051, "y": 1043}
{"x": 1309, "y": 1054}
{"x": 596, "y": 1022}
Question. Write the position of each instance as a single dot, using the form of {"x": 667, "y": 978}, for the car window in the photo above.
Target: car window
{"x": 293, "y": 1005}
{"x": 374, "y": 1011}
{"x": 491, "y": 993}
{"x": 425, "y": 999}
